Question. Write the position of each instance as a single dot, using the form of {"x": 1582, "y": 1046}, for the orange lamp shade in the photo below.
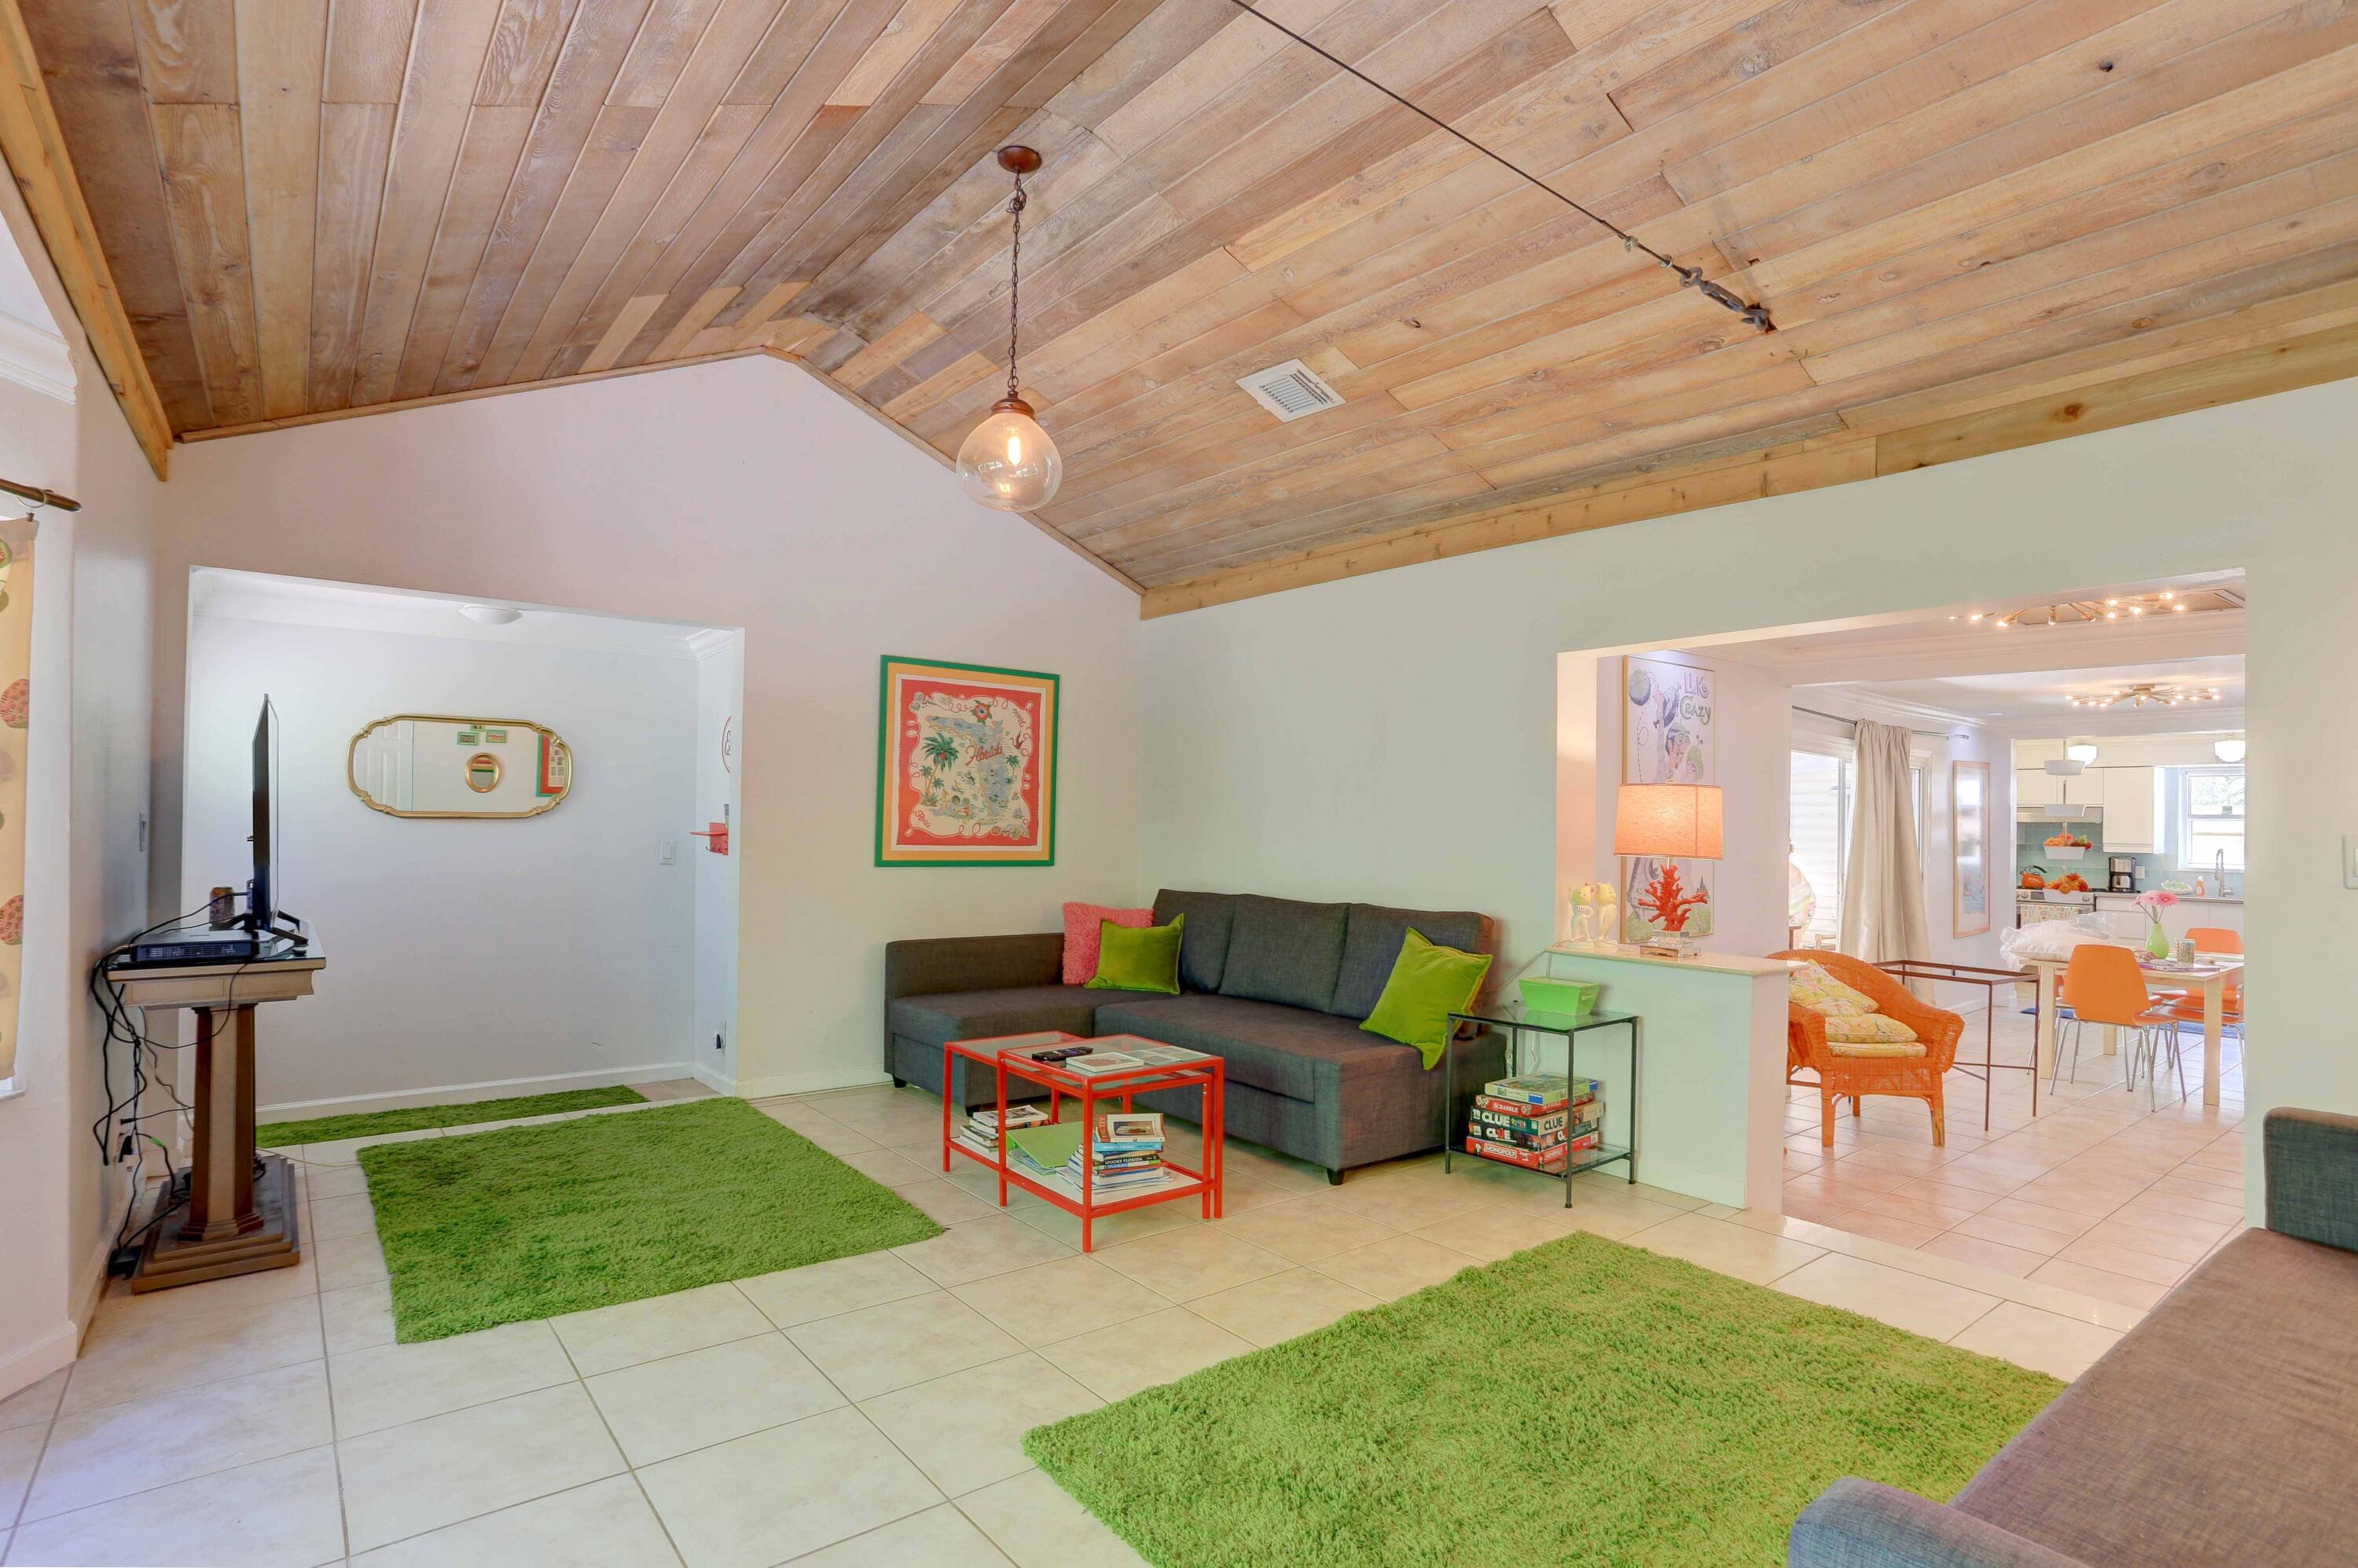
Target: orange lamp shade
{"x": 1668, "y": 821}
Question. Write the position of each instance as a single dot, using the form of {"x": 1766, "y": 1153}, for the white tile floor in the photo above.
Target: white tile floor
{"x": 865, "y": 1411}
{"x": 2096, "y": 1193}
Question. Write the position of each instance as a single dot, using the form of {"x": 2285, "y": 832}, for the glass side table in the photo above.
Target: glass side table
{"x": 1523, "y": 1024}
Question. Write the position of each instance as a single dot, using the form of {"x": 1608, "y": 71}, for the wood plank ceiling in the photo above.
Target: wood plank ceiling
{"x": 1948, "y": 205}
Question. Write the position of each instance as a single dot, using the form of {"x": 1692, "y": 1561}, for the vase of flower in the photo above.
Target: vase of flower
{"x": 2153, "y": 901}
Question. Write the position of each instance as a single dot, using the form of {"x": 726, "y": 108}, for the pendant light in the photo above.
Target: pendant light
{"x": 1009, "y": 462}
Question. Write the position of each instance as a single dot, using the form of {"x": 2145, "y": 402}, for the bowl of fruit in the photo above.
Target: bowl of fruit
{"x": 2069, "y": 882}
{"x": 2067, "y": 845}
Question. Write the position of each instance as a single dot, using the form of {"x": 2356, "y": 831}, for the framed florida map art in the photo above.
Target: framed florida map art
{"x": 967, "y": 766}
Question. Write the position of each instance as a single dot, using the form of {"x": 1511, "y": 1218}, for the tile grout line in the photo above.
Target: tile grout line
{"x": 621, "y": 1452}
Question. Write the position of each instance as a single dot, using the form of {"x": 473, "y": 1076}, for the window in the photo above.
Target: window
{"x": 1820, "y": 828}
{"x": 2209, "y": 819}
{"x": 1825, "y": 785}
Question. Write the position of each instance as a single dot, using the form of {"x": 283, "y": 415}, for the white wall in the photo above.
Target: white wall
{"x": 1395, "y": 735}
{"x": 548, "y": 952}
{"x": 743, "y": 494}
{"x": 719, "y": 697}
{"x": 86, "y": 867}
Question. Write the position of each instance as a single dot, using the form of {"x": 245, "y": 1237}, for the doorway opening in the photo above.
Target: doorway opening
{"x": 495, "y": 820}
{"x": 1889, "y": 786}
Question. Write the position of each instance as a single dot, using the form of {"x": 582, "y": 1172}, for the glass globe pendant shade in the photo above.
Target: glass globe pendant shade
{"x": 1009, "y": 462}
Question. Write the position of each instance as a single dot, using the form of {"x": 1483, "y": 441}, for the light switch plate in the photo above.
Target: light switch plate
{"x": 670, "y": 853}
{"x": 2349, "y": 860}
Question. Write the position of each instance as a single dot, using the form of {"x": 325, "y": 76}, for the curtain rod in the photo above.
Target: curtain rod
{"x": 40, "y": 497}
{"x": 1935, "y": 734}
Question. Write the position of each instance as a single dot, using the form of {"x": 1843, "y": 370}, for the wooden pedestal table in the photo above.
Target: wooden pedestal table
{"x": 241, "y": 1214}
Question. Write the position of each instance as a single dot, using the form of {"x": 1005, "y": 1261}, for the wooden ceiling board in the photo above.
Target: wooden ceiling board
{"x": 1967, "y": 216}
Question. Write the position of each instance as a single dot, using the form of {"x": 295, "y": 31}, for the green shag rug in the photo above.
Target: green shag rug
{"x": 377, "y": 1124}
{"x": 1584, "y": 1401}
{"x": 526, "y": 1222}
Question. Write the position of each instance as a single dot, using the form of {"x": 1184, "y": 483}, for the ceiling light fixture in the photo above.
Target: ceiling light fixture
{"x": 2138, "y": 694}
{"x": 490, "y": 614}
{"x": 2119, "y": 607}
{"x": 2228, "y": 750}
{"x": 1009, "y": 462}
{"x": 1688, "y": 276}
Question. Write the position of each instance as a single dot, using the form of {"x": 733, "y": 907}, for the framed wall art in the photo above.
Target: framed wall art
{"x": 966, "y": 765}
{"x": 1667, "y": 736}
{"x": 1969, "y": 785}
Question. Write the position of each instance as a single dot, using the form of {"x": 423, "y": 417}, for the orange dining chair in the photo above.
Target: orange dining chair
{"x": 2188, "y": 1005}
{"x": 2103, "y": 986}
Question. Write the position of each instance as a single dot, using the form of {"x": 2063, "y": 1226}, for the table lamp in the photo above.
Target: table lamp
{"x": 1669, "y": 822}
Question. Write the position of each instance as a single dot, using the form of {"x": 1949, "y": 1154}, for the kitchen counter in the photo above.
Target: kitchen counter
{"x": 2184, "y": 897}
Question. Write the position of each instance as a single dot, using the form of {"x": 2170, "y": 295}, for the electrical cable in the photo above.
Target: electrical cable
{"x": 1689, "y": 276}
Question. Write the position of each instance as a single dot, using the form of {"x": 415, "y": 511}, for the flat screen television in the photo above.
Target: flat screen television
{"x": 261, "y": 892}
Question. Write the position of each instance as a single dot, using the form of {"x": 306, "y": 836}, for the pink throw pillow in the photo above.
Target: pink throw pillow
{"x": 1083, "y": 933}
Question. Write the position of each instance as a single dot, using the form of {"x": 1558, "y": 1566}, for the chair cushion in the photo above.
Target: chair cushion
{"x": 1269, "y": 1046}
{"x": 1372, "y": 945}
{"x": 2218, "y": 1433}
{"x": 1204, "y": 955}
{"x": 1285, "y": 951}
{"x": 978, "y": 1016}
{"x": 1870, "y": 1034}
{"x": 1816, "y": 989}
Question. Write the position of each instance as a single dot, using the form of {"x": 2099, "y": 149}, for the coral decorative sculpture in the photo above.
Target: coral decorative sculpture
{"x": 1663, "y": 899}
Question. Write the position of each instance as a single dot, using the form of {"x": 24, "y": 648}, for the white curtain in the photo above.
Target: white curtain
{"x": 1883, "y": 904}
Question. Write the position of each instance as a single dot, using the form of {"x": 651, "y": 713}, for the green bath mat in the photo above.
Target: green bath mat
{"x": 377, "y": 1124}
{"x": 1581, "y": 1403}
{"x": 492, "y": 1228}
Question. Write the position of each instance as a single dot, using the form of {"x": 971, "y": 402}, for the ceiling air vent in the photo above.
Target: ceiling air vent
{"x": 1290, "y": 390}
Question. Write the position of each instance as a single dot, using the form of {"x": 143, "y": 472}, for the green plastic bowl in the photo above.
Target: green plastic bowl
{"x": 1577, "y": 997}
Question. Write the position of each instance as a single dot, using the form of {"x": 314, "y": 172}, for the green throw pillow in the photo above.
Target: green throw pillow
{"x": 1133, "y": 959}
{"x": 1428, "y": 984}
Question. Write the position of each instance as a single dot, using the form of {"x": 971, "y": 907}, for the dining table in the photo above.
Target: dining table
{"x": 2209, "y": 975}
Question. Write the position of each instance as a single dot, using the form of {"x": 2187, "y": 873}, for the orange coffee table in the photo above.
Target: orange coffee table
{"x": 1164, "y": 1067}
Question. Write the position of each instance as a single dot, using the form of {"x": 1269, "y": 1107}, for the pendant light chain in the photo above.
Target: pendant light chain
{"x": 1015, "y": 205}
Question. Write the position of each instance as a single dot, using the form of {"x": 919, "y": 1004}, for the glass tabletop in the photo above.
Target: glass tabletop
{"x": 1515, "y": 1015}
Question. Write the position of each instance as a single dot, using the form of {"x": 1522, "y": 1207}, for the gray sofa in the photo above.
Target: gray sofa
{"x": 2222, "y": 1429}
{"x": 1275, "y": 988}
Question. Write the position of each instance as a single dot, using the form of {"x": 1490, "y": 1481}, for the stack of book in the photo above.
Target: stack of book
{"x": 1125, "y": 1152}
{"x": 982, "y": 1123}
{"x": 1536, "y": 1121}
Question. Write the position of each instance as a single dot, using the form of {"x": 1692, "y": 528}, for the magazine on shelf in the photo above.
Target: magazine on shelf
{"x": 1098, "y": 1062}
{"x": 1156, "y": 1055}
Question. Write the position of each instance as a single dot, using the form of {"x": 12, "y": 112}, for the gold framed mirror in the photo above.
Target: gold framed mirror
{"x": 450, "y": 766}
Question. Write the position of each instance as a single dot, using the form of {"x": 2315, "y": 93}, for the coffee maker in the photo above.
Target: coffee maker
{"x": 2123, "y": 874}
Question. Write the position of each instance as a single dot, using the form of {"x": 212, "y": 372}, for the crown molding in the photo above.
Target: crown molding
{"x": 36, "y": 358}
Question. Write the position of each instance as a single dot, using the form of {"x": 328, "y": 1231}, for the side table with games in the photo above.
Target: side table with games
{"x": 1537, "y": 1120}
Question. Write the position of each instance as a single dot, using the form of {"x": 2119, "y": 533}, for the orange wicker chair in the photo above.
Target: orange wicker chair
{"x": 1917, "y": 1077}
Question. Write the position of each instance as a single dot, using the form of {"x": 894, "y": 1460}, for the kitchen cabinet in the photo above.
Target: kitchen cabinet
{"x": 2132, "y": 811}
{"x": 2128, "y": 922}
{"x": 2036, "y": 787}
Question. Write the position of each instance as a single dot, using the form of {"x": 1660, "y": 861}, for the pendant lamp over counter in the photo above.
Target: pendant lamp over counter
{"x": 1007, "y": 461}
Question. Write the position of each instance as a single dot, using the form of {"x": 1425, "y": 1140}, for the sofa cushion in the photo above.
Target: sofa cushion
{"x": 1285, "y": 951}
{"x": 2219, "y": 1432}
{"x": 979, "y": 1015}
{"x": 1372, "y": 945}
{"x": 1270, "y": 1046}
{"x": 1204, "y": 955}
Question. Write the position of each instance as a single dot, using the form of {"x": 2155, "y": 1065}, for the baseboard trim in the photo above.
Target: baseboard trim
{"x": 36, "y": 1361}
{"x": 718, "y": 1083}
{"x": 92, "y": 1285}
{"x": 490, "y": 1089}
{"x": 802, "y": 1084}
